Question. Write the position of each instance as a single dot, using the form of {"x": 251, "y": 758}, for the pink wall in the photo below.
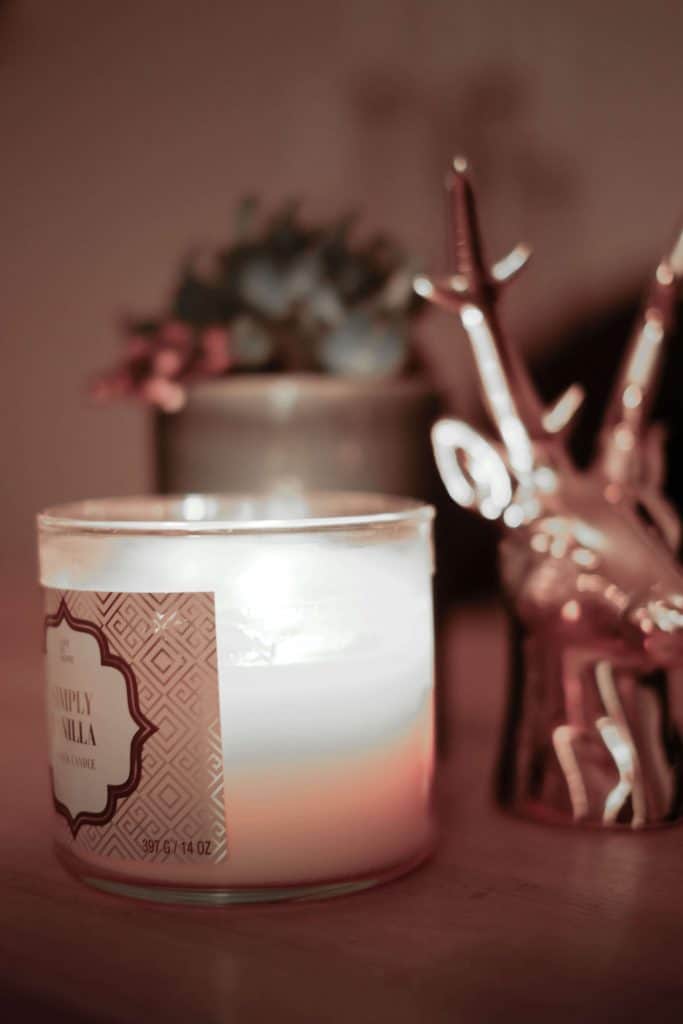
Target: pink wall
{"x": 130, "y": 128}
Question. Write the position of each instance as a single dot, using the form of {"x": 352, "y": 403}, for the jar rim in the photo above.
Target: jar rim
{"x": 233, "y": 513}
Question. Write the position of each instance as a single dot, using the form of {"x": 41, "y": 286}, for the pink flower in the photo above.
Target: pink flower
{"x": 215, "y": 357}
{"x": 168, "y": 395}
{"x": 138, "y": 346}
{"x": 168, "y": 362}
{"x": 177, "y": 334}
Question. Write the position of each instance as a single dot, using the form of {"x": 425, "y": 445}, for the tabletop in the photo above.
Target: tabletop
{"x": 508, "y": 921}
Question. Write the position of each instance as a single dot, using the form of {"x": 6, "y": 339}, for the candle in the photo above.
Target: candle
{"x": 240, "y": 693}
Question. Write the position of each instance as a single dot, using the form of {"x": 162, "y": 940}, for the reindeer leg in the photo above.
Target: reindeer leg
{"x": 618, "y": 739}
{"x": 567, "y": 738}
{"x": 594, "y": 796}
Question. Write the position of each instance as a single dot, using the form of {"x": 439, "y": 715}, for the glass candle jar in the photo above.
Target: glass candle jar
{"x": 239, "y": 693}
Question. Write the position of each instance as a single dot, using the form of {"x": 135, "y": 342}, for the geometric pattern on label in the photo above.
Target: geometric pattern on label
{"x": 169, "y": 640}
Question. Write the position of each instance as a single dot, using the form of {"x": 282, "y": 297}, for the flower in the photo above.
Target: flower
{"x": 283, "y": 296}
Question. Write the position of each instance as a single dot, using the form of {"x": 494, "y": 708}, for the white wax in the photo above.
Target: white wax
{"x": 325, "y": 665}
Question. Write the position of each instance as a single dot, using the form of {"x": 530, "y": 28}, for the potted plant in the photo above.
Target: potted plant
{"x": 286, "y": 361}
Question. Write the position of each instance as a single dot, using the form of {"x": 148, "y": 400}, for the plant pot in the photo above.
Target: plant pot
{"x": 293, "y": 432}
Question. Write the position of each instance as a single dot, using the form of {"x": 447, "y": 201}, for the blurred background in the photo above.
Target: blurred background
{"x": 130, "y": 130}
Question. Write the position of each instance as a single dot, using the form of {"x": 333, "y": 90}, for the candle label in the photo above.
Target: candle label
{"x": 134, "y": 724}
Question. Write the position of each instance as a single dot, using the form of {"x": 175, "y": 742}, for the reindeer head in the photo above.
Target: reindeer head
{"x": 585, "y": 554}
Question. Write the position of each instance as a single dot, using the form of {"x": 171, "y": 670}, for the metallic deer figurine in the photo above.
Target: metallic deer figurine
{"x": 588, "y": 559}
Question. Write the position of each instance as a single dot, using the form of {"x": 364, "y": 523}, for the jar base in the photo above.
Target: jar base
{"x": 226, "y": 897}
{"x": 197, "y": 896}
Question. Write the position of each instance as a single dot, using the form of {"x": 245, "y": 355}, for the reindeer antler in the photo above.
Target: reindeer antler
{"x": 621, "y": 448}
{"x": 472, "y": 292}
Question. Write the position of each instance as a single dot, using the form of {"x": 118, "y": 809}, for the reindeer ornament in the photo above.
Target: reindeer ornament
{"x": 588, "y": 559}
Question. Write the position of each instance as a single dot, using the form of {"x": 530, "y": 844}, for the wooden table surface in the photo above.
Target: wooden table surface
{"x": 510, "y": 921}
